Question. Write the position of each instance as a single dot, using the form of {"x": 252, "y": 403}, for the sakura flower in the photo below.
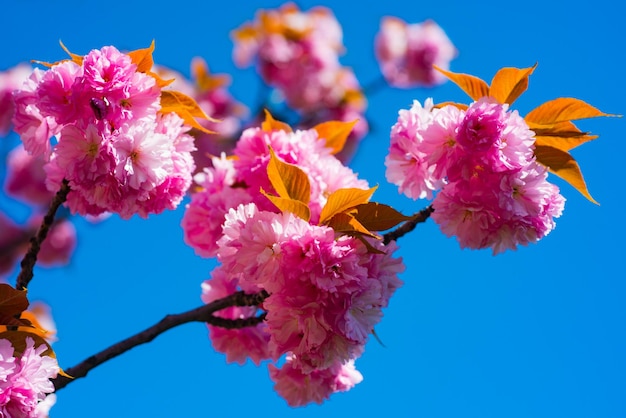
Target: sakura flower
{"x": 407, "y": 53}
{"x": 491, "y": 192}
{"x": 237, "y": 344}
{"x": 299, "y": 388}
{"x": 26, "y": 177}
{"x": 96, "y": 122}
{"x": 10, "y": 80}
{"x": 25, "y": 379}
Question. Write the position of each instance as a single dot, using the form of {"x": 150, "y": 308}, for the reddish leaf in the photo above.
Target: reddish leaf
{"x": 335, "y": 133}
{"x": 270, "y": 124}
{"x": 289, "y": 181}
{"x": 473, "y": 86}
{"x": 378, "y": 217}
{"x": 18, "y": 341}
{"x": 348, "y": 224}
{"x": 562, "y": 109}
{"x": 509, "y": 83}
{"x": 563, "y": 165}
{"x": 12, "y": 301}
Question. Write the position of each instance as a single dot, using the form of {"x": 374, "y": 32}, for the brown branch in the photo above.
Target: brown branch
{"x": 30, "y": 258}
{"x": 408, "y": 226}
{"x": 202, "y": 314}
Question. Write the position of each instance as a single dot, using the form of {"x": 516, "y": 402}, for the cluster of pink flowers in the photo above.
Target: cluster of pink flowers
{"x": 25, "y": 380}
{"x": 96, "y": 122}
{"x": 407, "y": 53}
{"x": 297, "y": 52}
{"x": 327, "y": 290}
{"x": 491, "y": 191}
{"x": 237, "y": 179}
{"x": 10, "y": 80}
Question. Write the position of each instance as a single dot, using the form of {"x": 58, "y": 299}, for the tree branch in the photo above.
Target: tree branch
{"x": 30, "y": 258}
{"x": 408, "y": 226}
{"x": 202, "y": 314}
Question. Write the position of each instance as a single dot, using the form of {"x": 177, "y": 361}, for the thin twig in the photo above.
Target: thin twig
{"x": 30, "y": 258}
{"x": 408, "y": 226}
{"x": 202, "y": 314}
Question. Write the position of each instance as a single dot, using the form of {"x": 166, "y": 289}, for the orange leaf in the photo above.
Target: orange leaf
{"x": 459, "y": 106}
{"x": 509, "y": 83}
{"x": 289, "y": 181}
{"x": 335, "y": 133}
{"x": 563, "y": 135}
{"x": 348, "y": 224}
{"x": 296, "y": 207}
{"x": 561, "y": 110}
{"x": 270, "y": 124}
{"x": 204, "y": 80}
{"x": 378, "y": 217}
{"x": 143, "y": 58}
{"x": 12, "y": 301}
{"x": 18, "y": 341}
{"x": 343, "y": 199}
{"x": 473, "y": 86}
{"x": 76, "y": 58}
{"x": 185, "y": 107}
{"x": 563, "y": 165}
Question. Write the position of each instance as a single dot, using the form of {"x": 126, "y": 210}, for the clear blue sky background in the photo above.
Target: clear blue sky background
{"x": 539, "y": 332}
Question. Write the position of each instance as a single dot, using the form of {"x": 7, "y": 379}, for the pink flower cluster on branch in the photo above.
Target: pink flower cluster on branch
{"x": 407, "y": 53}
{"x": 326, "y": 287}
{"x": 99, "y": 122}
{"x": 25, "y": 380}
{"x": 297, "y": 52}
{"x": 493, "y": 194}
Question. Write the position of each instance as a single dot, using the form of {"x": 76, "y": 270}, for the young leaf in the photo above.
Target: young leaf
{"x": 335, "y": 133}
{"x": 473, "y": 86}
{"x": 143, "y": 58}
{"x": 296, "y": 207}
{"x": 12, "y": 301}
{"x": 289, "y": 181}
{"x": 18, "y": 341}
{"x": 76, "y": 58}
{"x": 185, "y": 107}
{"x": 343, "y": 199}
{"x": 270, "y": 124}
{"x": 378, "y": 217}
{"x": 561, "y": 110}
{"x": 509, "y": 83}
{"x": 347, "y": 224}
{"x": 459, "y": 106}
{"x": 563, "y": 165}
{"x": 563, "y": 135}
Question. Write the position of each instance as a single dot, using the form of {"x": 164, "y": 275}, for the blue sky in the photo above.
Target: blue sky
{"x": 539, "y": 332}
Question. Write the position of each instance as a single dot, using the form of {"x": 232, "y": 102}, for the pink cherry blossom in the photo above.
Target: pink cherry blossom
{"x": 237, "y": 344}
{"x": 34, "y": 128}
{"x": 490, "y": 191}
{"x": 204, "y": 215}
{"x": 407, "y": 53}
{"x": 118, "y": 153}
{"x": 408, "y": 164}
{"x": 10, "y": 80}
{"x": 299, "y": 388}
{"x": 25, "y": 380}
{"x": 26, "y": 178}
